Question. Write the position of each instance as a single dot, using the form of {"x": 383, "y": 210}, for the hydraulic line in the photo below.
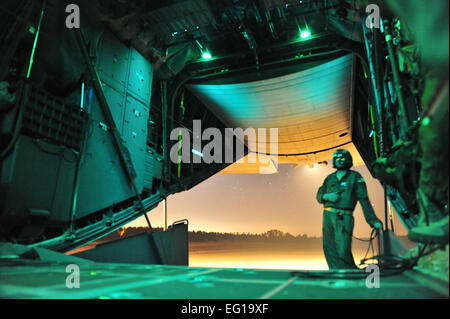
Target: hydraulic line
{"x": 180, "y": 137}
{"x": 76, "y": 179}
{"x": 396, "y": 77}
{"x": 376, "y": 125}
{"x": 372, "y": 121}
{"x": 400, "y": 265}
{"x": 299, "y": 154}
{"x": 33, "y": 51}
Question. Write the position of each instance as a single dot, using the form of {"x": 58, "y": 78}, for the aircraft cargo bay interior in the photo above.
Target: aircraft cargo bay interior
{"x": 224, "y": 149}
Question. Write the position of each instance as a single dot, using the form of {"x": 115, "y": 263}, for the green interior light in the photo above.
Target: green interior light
{"x": 305, "y": 34}
{"x": 206, "y": 56}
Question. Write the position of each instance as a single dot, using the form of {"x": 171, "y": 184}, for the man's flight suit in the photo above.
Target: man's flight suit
{"x": 338, "y": 218}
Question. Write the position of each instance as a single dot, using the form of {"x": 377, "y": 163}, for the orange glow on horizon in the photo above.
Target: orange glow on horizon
{"x": 275, "y": 259}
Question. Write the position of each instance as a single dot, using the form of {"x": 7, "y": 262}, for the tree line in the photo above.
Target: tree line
{"x": 203, "y": 236}
{"x": 270, "y": 235}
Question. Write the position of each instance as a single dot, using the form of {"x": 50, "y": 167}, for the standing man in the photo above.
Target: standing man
{"x": 339, "y": 194}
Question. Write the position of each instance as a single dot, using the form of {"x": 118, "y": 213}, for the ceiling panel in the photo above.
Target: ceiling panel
{"x": 311, "y": 108}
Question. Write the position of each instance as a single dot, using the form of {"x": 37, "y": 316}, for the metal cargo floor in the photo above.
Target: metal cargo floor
{"x": 37, "y": 279}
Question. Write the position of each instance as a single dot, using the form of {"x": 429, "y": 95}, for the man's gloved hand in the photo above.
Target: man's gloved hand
{"x": 331, "y": 197}
{"x": 378, "y": 226}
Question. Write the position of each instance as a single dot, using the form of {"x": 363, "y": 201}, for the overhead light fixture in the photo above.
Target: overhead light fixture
{"x": 305, "y": 34}
{"x": 205, "y": 53}
{"x": 304, "y": 31}
{"x": 206, "y": 56}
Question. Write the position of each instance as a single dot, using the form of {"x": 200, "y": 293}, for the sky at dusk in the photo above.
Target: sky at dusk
{"x": 256, "y": 203}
